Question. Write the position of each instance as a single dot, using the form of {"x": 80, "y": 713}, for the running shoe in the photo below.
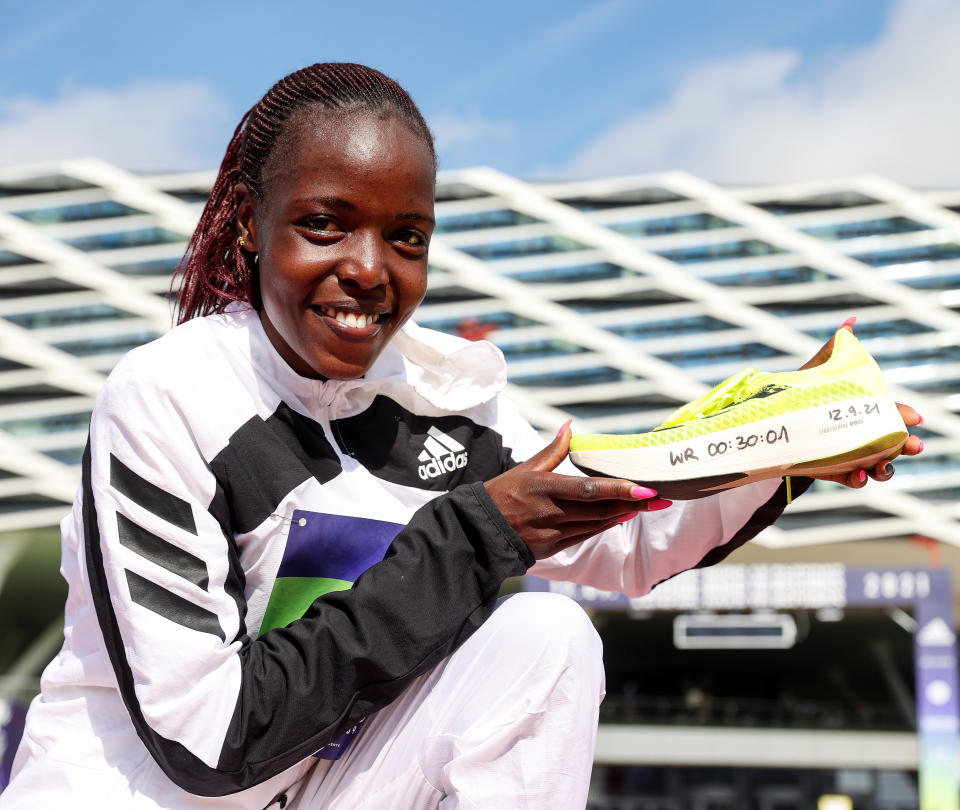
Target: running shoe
{"x": 832, "y": 418}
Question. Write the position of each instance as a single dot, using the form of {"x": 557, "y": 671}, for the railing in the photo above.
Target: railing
{"x": 703, "y": 709}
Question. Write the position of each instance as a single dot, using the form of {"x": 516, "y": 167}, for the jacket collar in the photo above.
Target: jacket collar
{"x": 450, "y": 373}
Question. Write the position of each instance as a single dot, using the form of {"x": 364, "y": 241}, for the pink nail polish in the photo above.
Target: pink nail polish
{"x": 642, "y": 492}
{"x": 625, "y": 518}
{"x": 849, "y": 322}
{"x": 563, "y": 427}
{"x": 919, "y": 419}
{"x": 657, "y": 504}
{"x": 920, "y": 449}
{"x": 861, "y": 476}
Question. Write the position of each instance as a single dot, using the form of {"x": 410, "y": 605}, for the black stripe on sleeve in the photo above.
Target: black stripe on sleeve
{"x": 157, "y": 550}
{"x": 170, "y": 755}
{"x": 175, "y": 608}
{"x": 765, "y": 516}
{"x": 161, "y": 503}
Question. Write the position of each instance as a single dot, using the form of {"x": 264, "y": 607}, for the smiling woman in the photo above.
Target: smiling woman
{"x": 341, "y": 235}
{"x": 298, "y": 509}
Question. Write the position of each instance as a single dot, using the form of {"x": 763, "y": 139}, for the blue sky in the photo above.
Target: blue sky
{"x": 737, "y": 90}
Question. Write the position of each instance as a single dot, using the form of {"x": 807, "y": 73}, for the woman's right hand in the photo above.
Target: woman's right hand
{"x": 551, "y": 511}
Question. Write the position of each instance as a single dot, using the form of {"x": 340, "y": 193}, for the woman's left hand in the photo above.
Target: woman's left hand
{"x": 884, "y": 470}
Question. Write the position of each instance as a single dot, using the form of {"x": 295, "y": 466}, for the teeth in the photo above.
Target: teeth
{"x": 354, "y": 320}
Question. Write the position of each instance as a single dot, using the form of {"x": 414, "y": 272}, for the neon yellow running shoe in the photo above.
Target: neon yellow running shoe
{"x": 831, "y": 418}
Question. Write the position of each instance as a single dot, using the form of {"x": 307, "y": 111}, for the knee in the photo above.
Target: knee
{"x": 550, "y": 622}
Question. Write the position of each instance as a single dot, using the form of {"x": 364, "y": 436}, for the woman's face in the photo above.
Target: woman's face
{"x": 341, "y": 232}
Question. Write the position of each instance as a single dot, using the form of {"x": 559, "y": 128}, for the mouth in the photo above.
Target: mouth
{"x": 351, "y": 323}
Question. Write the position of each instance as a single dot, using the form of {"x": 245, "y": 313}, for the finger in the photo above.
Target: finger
{"x": 909, "y": 415}
{"x": 827, "y": 349}
{"x": 587, "y": 512}
{"x": 855, "y": 479}
{"x": 848, "y": 323}
{"x": 912, "y": 446}
{"x": 551, "y": 455}
{"x": 579, "y": 488}
{"x": 882, "y": 472}
{"x": 820, "y": 357}
{"x": 588, "y": 526}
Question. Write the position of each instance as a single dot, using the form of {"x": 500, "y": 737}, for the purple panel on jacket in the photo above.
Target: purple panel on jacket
{"x": 334, "y": 546}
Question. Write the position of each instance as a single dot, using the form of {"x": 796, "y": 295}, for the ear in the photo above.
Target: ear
{"x": 247, "y": 218}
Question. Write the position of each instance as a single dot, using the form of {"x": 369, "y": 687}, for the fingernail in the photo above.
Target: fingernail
{"x": 919, "y": 419}
{"x": 642, "y": 492}
{"x": 849, "y": 322}
{"x": 888, "y": 469}
{"x": 563, "y": 427}
{"x": 657, "y": 504}
{"x": 920, "y": 449}
{"x": 861, "y": 476}
{"x": 625, "y": 518}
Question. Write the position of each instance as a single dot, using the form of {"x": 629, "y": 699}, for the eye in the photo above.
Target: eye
{"x": 412, "y": 238}
{"x": 320, "y": 224}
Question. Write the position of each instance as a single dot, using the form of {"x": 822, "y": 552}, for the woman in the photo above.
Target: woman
{"x": 297, "y": 513}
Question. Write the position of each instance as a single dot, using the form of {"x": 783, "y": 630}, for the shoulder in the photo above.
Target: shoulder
{"x": 172, "y": 361}
{"x": 197, "y": 377}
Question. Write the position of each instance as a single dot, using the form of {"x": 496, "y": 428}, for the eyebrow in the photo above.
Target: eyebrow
{"x": 415, "y": 215}
{"x": 339, "y": 202}
{"x": 333, "y": 202}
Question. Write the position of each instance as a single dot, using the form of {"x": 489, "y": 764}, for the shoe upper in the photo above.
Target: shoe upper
{"x": 750, "y": 395}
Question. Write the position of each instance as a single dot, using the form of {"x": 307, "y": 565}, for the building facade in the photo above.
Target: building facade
{"x": 614, "y": 301}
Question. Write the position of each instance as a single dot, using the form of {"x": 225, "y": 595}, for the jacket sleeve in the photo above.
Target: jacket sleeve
{"x": 219, "y": 711}
{"x": 635, "y": 556}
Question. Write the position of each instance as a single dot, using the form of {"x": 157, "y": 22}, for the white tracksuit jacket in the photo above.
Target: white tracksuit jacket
{"x": 223, "y": 494}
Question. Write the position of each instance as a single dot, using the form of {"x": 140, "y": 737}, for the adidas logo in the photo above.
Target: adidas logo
{"x": 936, "y": 634}
{"x": 767, "y": 391}
{"x": 441, "y": 454}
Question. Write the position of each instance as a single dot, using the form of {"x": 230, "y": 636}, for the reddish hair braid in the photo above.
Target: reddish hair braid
{"x": 215, "y": 270}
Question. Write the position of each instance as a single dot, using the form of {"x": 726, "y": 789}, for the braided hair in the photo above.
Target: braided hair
{"x": 215, "y": 270}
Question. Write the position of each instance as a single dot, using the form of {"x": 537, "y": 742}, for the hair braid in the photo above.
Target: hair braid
{"x": 215, "y": 270}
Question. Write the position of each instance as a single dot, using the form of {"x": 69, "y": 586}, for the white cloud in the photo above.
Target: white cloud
{"x": 455, "y": 129}
{"x": 153, "y": 125}
{"x": 890, "y": 107}
{"x": 464, "y": 139}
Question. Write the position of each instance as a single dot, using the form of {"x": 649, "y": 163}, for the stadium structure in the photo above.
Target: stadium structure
{"x": 613, "y": 301}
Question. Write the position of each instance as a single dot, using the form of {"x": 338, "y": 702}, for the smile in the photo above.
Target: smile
{"x": 359, "y": 323}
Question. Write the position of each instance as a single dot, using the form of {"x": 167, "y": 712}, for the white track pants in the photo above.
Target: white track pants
{"x": 508, "y": 721}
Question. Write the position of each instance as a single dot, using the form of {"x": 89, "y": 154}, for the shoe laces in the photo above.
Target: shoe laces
{"x": 731, "y": 391}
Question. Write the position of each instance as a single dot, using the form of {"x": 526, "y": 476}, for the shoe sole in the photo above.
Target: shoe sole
{"x": 850, "y": 435}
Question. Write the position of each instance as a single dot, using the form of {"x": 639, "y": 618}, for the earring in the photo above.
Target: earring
{"x": 242, "y": 241}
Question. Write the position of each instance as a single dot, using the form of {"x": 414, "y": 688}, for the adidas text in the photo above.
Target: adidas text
{"x": 438, "y": 466}
{"x": 441, "y": 454}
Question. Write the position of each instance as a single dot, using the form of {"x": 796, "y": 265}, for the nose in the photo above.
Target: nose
{"x": 365, "y": 262}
